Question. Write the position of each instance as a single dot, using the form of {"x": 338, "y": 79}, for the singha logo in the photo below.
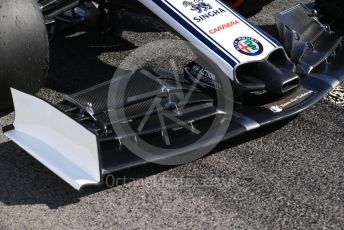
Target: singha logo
{"x": 198, "y": 5}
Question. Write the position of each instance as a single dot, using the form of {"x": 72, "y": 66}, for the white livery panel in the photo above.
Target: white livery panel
{"x": 216, "y": 30}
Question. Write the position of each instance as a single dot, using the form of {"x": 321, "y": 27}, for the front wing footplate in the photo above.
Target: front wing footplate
{"x": 56, "y": 140}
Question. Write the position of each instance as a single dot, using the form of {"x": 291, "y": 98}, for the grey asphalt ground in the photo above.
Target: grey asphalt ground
{"x": 290, "y": 176}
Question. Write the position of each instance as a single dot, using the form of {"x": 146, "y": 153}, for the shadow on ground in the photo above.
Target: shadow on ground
{"x": 74, "y": 60}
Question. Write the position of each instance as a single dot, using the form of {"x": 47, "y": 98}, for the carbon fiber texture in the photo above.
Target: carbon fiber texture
{"x": 132, "y": 97}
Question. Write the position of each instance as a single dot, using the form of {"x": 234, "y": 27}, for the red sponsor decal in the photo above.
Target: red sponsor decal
{"x": 224, "y": 27}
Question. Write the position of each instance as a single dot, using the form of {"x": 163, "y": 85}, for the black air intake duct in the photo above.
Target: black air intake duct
{"x": 276, "y": 75}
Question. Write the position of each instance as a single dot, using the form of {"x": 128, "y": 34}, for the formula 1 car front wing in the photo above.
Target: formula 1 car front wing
{"x": 76, "y": 139}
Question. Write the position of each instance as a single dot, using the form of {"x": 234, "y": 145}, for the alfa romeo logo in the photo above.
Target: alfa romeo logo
{"x": 248, "y": 46}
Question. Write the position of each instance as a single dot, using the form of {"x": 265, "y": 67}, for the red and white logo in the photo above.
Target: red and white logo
{"x": 224, "y": 27}
{"x": 248, "y": 46}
